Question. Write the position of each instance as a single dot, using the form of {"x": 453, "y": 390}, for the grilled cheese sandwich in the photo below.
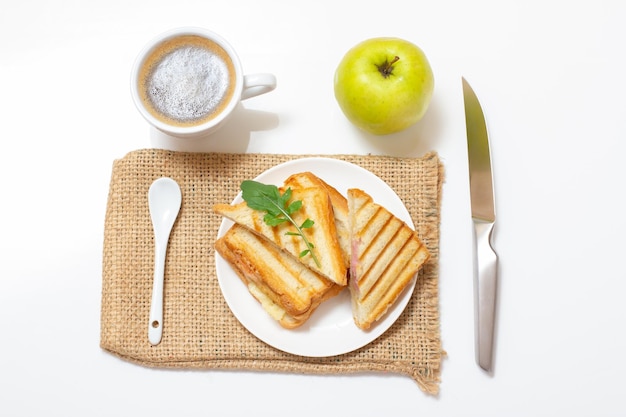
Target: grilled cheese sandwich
{"x": 316, "y": 206}
{"x": 339, "y": 205}
{"x": 287, "y": 289}
{"x": 385, "y": 256}
{"x": 380, "y": 251}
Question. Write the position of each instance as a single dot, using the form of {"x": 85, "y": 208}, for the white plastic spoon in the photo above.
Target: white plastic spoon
{"x": 164, "y": 198}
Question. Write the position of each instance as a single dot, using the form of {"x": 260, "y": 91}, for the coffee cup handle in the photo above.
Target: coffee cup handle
{"x": 257, "y": 84}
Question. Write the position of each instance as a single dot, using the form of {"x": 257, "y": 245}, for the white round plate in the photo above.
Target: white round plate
{"x": 330, "y": 330}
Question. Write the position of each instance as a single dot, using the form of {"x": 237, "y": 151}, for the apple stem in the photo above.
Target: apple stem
{"x": 386, "y": 68}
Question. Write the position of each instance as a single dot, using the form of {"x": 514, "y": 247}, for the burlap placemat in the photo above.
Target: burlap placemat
{"x": 200, "y": 331}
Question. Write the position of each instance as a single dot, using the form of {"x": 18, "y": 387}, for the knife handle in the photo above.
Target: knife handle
{"x": 485, "y": 288}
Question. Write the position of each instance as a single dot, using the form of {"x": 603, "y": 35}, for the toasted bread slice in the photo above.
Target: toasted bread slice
{"x": 287, "y": 289}
{"x": 385, "y": 255}
{"x": 337, "y": 200}
{"x": 323, "y": 235}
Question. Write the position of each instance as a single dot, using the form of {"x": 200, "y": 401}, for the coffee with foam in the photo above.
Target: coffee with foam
{"x": 186, "y": 81}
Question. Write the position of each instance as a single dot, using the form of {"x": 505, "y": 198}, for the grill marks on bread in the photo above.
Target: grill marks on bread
{"x": 386, "y": 254}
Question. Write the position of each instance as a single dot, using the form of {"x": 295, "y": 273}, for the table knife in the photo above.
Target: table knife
{"x": 483, "y": 210}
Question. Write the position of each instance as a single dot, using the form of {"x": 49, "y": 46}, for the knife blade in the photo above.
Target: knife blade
{"x": 483, "y": 218}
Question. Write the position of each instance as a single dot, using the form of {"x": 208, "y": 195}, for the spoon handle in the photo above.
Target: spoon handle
{"x": 164, "y": 200}
{"x": 155, "y": 326}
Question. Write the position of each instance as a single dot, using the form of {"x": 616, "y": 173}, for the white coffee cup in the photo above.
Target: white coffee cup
{"x": 186, "y": 82}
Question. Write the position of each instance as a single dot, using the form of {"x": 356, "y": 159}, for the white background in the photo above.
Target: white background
{"x": 551, "y": 78}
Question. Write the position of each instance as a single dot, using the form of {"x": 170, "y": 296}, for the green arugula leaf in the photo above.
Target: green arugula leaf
{"x": 267, "y": 198}
{"x": 307, "y": 224}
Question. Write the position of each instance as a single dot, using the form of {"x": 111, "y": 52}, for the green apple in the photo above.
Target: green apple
{"x": 384, "y": 85}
